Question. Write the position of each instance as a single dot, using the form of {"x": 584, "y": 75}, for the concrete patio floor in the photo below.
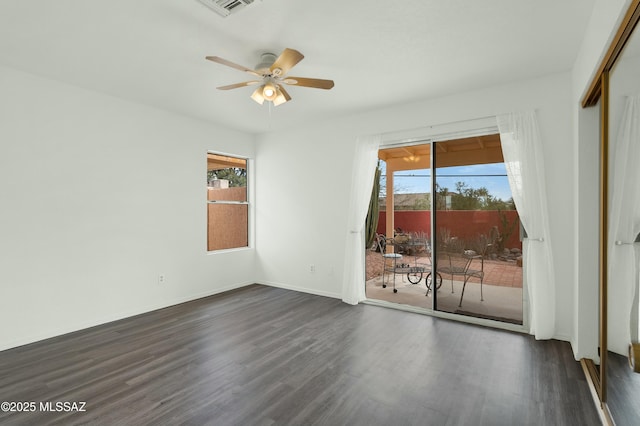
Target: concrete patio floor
{"x": 502, "y": 290}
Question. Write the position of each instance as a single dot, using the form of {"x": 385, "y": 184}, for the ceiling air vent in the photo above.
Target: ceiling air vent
{"x": 225, "y": 8}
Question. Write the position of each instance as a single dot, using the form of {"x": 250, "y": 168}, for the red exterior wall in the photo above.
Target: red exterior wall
{"x": 227, "y": 223}
{"x": 465, "y": 224}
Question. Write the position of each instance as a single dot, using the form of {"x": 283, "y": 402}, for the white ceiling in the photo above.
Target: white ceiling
{"x": 378, "y": 52}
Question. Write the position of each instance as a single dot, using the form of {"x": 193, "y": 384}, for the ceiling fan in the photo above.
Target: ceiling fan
{"x": 272, "y": 74}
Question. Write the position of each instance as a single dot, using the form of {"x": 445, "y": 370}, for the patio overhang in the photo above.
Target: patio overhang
{"x": 218, "y": 162}
{"x": 456, "y": 152}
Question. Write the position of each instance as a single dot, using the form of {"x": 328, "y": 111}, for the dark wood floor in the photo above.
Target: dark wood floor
{"x": 262, "y": 356}
{"x": 623, "y": 387}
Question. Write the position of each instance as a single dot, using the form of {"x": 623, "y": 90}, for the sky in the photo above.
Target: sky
{"x": 491, "y": 176}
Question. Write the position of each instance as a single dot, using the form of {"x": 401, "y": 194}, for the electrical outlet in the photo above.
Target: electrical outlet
{"x": 161, "y": 279}
{"x": 312, "y": 268}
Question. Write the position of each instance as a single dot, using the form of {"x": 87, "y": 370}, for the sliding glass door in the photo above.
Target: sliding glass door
{"x": 477, "y": 232}
{"x": 469, "y": 250}
{"x": 398, "y": 264}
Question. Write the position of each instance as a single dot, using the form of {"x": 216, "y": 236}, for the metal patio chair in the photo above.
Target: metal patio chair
{"x": 459, "y": 264}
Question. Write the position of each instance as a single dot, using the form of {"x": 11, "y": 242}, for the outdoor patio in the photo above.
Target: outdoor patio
{"x": 502, "y": 289}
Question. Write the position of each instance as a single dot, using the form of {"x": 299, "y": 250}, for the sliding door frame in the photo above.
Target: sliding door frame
{"x": 432, "y": 135}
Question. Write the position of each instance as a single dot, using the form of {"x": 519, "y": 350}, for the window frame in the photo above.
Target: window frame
{"x": 247, "y": 202}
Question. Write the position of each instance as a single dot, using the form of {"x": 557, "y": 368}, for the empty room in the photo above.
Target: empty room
{"x": 257, "y": 212}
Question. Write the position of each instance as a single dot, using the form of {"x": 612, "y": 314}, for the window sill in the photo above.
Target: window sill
{"x": 232, "y": 250}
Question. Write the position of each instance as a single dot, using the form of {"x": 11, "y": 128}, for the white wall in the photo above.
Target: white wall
{"x": 606, "y": 17}
{"x": 586, "y": 196}
{"x": 303, "y": 187}
{"x": 98, "y": 197}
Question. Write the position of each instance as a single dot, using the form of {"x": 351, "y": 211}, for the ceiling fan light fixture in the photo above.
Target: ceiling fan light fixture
{"x": 257, "y": 95}
{"x": 282, "y": 97}
{"x": 269, "y": 91}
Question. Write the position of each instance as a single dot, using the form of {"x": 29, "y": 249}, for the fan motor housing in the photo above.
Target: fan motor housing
{"x": 266, "y": 60}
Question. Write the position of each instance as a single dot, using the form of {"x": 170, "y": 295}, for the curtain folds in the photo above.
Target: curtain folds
{"x": 624, "y": 226}
{"x": 522, "y": 151}
{"x": 364, "y": 165}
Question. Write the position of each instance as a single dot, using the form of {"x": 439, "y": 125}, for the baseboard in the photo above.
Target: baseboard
{"x": 82, "y": 325}
{"x": 563, "y": 337}
{"x": 301, "y": 289}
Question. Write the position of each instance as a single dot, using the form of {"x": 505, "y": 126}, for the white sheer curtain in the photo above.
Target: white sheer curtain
{"x": 624, "y": 226}
{"x": 364, "y": 166}
{"x": 522, "y": 151}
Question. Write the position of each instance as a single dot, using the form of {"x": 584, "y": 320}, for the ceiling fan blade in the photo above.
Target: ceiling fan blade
{"x": 287, "y": 60}
{"x": 233, "y": 65}
{"x": 282, "y": 97}
{"x": 235, "y": 86}
{"x": 309, "y": 82}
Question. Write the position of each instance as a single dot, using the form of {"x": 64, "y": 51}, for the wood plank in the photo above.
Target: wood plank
{"x": 624, "y": 386}
{"x": 261, "y": 356}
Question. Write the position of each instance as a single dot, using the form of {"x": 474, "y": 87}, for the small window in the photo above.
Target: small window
{"x": 227, "y": 202}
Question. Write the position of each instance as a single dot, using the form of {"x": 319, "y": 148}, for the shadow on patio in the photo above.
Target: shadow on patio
{"x": 502, "y": 289}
